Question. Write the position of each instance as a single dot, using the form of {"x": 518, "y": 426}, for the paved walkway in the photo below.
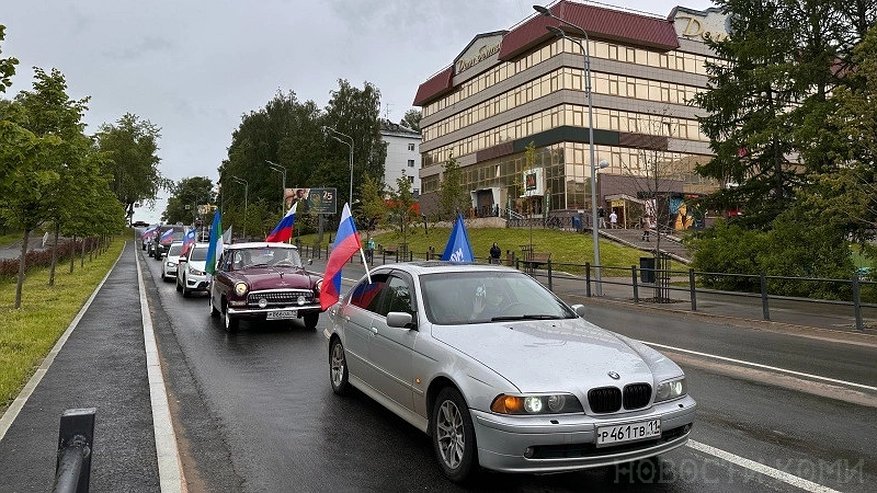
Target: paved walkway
{"x": 102, "y": 365}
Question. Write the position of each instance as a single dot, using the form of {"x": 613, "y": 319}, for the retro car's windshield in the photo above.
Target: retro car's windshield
{"x": 265, "y": 257}
{"x": 487, "y": 296}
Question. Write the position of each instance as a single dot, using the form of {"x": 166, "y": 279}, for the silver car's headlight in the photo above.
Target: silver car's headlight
{"x": 196, "y": 272}
{"x": 536, "y": 404}
{"x": 671, "y": 389}
{"x": 171, "y": 264}
{"x": 240, "y": 288}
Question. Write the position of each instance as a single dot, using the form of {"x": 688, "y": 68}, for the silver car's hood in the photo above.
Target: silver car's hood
{"x": 198, "y": 264}
{"x": 544, "y": 356}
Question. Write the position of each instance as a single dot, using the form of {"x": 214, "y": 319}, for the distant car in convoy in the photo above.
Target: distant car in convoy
{"x": 171, "y": 261}
{"x": 191, "y": 271}
{"x": 502, "y": 374}
{"x": 264, "y": 281}
{"x": 139, "y": 224}
{"x": 160, "y": 247}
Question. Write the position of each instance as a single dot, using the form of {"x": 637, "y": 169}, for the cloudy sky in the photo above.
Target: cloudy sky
{"x": 193, "y": 67}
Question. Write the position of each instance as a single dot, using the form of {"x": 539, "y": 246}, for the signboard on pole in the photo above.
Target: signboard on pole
{"x": 314, "y": 200}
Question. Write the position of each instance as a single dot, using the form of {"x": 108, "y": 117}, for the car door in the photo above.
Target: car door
{"x": 219, "y": 283}
{"x": 391, "y": 349}
{"x": 357, "y": 318}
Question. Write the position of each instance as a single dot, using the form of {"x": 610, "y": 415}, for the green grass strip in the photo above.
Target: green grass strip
{"x": 29, "y": 333}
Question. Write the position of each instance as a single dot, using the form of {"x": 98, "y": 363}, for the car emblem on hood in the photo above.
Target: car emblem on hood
{"x": 613, "y": 375}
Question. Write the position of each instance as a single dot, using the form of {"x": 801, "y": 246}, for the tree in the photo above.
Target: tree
{"x": 401, "y": 210}
{"x": 412, "y": 119}
{"x": 356, "y": 112}
{"x": 7, "y": 65}
{"x": 186, "y": 196}
{"x": 374, "y": 204}
{"x": 747, "y": 105}
{"x": 453, "y": 198}
{"x": 130, "y": 146}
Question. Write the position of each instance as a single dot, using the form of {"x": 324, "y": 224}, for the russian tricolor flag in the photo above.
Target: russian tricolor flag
{"x": 347, "y": 243}
{"x": 167, "y": 237}
{"x": 188, "y": 241}
{"x": 283, "y": 231}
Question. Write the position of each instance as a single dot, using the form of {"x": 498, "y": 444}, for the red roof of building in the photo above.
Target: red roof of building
{"x": 599, "y": 22}
{"x": 438, "y": 85}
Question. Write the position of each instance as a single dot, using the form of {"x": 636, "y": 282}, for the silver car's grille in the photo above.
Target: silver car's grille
{"x": 604, "y": 399}
{"x": 637, "y": 395}
{"x": 284, "y": 297}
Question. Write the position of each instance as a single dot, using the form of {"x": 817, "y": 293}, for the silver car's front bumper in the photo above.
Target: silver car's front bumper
{"x": 503, "y": 440}
{"x": 196, "y": 283}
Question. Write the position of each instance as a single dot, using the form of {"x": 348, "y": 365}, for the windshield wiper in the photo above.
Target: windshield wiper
{"x": 256, "y": 265}
{"x": 526, "y": 317}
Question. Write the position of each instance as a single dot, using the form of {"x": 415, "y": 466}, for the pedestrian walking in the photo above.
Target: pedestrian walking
{"x": 646, "y": 223}
{"x": 370, "y": 250}
{"x": 495, "y": 252}
{"x": 613, "y": 220}
{"x": 601, "y": 215}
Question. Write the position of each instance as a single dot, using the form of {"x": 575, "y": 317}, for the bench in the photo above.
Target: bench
{"x": 534, "y": 260}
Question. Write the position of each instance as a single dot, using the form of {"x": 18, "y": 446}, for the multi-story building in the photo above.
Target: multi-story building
{"x": 403, "y": 155}
{"x": 510, "y": 89}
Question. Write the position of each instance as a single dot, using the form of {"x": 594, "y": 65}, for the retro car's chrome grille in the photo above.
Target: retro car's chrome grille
{"x": 605, "y": 399}
{"x": 637, "y": 395}
{"x": 284, "y": 297}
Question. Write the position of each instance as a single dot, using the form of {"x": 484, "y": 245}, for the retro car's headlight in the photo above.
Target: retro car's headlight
{"x": 240, "y": 288}
{"x": 318, "y": 286}
{"x": 671, "y": 389}
{"x": 536, "y": 404}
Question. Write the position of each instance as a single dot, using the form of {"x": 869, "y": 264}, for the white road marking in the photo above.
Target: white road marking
{"x": 760, "y": 468}
{"x": 9, "y": 417}
{"x": 766, "y": 367}
{"x": 170, "y": 473}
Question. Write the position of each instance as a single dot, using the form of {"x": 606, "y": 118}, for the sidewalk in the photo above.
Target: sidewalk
{"x": 102, "y": 365}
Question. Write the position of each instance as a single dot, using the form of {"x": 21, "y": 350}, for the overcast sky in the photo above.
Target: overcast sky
{"x": 193, "y": 67}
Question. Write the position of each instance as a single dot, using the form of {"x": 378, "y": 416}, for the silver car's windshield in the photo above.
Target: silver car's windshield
{"x": 266, "y": 257}
{"x": 175, "y": 250}
{"x": 487, "y": 296}
{"x": 199, "y": 254}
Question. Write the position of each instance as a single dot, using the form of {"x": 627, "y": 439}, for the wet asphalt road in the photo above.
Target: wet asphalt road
{"x": 254, "y": 412}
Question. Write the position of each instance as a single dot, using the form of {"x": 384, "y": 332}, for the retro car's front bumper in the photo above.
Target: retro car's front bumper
{"x": 255, "y": 312}
{"x": 567, "y": 442}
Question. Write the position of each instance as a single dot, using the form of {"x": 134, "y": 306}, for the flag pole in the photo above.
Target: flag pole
{"x": 364, "y": 264}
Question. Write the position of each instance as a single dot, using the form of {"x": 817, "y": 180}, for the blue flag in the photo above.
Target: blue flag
{"x": 458, "y": 248}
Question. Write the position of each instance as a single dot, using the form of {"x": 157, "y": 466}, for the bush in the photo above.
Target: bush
{"x": 43, "y": 258}
{"x": 795, "y": 246}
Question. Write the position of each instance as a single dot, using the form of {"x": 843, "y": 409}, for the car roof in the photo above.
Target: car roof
{"x": 259, "y": 244}
{"x": 438, "y": 266}
{"x": 176, "y": 243}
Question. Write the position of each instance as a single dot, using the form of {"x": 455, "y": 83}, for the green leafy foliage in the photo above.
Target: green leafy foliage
{"x": 453, "y": 197}
{"x": 130, "y": 148}
{"x": 412, "y": 119}
{"x": 186, "y": 196}
{"x": 374, "y": 206}
{"x": 7, "y": 65}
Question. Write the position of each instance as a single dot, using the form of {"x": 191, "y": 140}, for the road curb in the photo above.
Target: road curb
{"x": 21, "y": 399}
{"x": 170, "y": 471}
{"x": 831, "y": 335}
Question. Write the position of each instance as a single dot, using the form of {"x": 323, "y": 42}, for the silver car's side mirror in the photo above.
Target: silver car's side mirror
{"x": 580, "y": 310}
{"x": 401, "y": 320}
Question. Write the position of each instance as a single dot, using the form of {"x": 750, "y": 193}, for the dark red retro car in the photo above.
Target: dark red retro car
{"x": 264, "y": 281}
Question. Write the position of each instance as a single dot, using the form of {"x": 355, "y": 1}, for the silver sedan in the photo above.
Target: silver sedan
{"x": 502, "y": 374}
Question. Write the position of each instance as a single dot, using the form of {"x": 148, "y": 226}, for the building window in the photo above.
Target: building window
{"x": 410, "y": 179}
{"x": 411, "y": 147}
{"x": 411, "y": 162}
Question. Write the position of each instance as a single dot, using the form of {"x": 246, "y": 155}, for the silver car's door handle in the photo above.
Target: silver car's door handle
{"x": 374, "y": 330}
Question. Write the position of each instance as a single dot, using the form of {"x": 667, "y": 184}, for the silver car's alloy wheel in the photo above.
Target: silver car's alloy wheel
{"x": 338, "y": 368}
{"x": 450, "y": 434}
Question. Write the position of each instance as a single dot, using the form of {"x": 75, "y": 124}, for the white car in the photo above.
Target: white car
{"x": 190, "y": 272}
{"x": 169, "y": 267}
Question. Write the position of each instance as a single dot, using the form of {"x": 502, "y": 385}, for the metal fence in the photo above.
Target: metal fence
{"x": 680, "y": 289}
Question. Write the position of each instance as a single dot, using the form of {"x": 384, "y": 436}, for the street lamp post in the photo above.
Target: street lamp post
{"x": 246, "y": 200}
{"x": 331, "y": 132}
{"x": 594, "y": 220}
{"x": 280, "y": 169}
